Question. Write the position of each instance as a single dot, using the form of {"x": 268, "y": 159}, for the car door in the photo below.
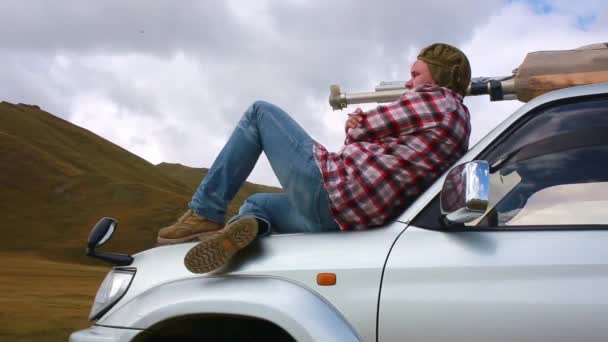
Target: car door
{"x": 535, "y": 265}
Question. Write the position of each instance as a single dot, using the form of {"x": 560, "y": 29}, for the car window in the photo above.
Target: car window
{"x": 551, "y": 121}
{"x": 566, "y": 204}
{"x": 558, "y": 188}
{"x": 551, "y": 169}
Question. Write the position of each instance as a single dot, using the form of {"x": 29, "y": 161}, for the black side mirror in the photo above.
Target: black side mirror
{"x": 100, "y": 234}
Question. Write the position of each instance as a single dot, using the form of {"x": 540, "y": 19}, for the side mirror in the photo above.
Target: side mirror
{"x": 464, "y": 196}
{"x": 100, "y": 234}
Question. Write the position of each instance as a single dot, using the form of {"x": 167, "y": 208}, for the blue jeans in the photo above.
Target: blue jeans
{"x": 266, "y": 128}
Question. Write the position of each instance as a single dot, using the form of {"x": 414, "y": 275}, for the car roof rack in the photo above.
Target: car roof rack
{"x": 539, "y": 73}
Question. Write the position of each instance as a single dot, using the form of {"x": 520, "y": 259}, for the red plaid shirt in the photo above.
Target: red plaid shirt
{"x": 399, "y": 150}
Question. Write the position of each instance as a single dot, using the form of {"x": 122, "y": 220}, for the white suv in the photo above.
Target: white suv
{"x": 510, "y": 245}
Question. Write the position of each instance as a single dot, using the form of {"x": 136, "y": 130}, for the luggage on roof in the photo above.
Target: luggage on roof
{"x": 545, "y": 71}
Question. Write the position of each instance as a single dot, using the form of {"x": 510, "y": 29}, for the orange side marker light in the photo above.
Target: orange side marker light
{"x": 326, "y": 279}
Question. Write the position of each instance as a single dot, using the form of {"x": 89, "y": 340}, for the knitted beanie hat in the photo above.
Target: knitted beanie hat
{"x": 448, "y": 65}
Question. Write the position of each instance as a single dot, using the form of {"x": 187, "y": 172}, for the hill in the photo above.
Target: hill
{"x": 57, "y": 180}
{"x": 192, "y": 177}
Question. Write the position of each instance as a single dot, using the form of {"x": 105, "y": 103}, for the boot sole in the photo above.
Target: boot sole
{"x": 189, "y": 238}
{"x": 214, "y": 251}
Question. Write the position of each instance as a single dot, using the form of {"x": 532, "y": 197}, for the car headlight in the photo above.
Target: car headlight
{"x": 113, "y": 287}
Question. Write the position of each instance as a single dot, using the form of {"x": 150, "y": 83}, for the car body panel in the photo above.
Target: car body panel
{"x": 104, "y": 334}
{"x": 496, "y": 286}
{"x": 357, "y": 259}
{"x": 303, "y": 314}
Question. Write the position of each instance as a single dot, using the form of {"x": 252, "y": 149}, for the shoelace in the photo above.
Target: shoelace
{"x": 185, "y": 216}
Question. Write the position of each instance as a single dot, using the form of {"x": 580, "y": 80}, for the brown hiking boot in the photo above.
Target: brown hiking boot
{"x": 188, "y": 227}
{"x": 215, "y": 250}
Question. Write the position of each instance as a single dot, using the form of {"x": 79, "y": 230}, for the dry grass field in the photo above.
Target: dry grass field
{"x": 44, "y": 300}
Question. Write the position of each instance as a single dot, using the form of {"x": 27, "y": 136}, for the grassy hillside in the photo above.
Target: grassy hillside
{"x": 192, "y": 177}
{"x": 58, "y": 180}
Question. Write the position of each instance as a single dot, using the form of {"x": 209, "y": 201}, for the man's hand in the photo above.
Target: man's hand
{"x": 354, "y": 119}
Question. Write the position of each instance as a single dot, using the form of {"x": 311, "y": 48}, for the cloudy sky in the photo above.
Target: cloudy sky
{"x": 168, "y": 80}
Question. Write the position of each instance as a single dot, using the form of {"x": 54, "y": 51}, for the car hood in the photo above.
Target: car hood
{"x": 294, "y": 257}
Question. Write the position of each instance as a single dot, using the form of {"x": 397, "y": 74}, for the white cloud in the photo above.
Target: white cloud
{"x": 500, "y": 45}
{"x": 169, "y": 81}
